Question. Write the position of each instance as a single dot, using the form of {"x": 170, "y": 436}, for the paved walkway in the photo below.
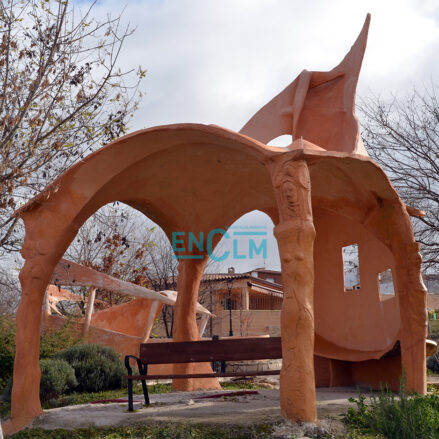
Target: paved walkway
{"x": 185, "y": 407}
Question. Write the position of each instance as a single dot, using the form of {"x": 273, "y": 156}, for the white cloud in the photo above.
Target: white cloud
{"x": 218, "y": 61}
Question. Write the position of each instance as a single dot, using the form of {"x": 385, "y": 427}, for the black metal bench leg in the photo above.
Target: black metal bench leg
{"x": 130, "y": 382}
{"x": 143, "y": 370}
{"x": 130, "y": 396}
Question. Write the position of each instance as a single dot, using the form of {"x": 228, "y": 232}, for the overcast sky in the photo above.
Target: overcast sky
{"x": 218, "y": 61}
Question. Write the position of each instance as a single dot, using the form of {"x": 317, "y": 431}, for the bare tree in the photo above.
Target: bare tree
{"x": 162, "y": 274}
{"x": 402, "y": 135}
{"x": 123, "y": 243}
{"x": 10, "y": 291}
{"x": 61, "y": 96}
{"x": 114, "y": 241}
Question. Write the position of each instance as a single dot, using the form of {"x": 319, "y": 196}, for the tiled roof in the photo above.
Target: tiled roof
{"x": 221, "y": 277}
{"x": 264, "y": 270}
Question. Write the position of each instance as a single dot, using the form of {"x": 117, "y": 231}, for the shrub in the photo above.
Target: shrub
{"x": 433, "y": 364}
{"x": 52, "y": 342}
{"x": 406, "y": 417}
{"x": 7, "y": 349}
{"x": 57, "y": 377}
{"x": 96, "y": 367}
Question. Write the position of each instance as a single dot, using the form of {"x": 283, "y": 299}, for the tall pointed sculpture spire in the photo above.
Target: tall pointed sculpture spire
{"x": 318, "y": 106}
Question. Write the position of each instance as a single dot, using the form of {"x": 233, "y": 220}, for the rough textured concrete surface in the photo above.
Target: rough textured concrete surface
{"x": 185, "y": 407}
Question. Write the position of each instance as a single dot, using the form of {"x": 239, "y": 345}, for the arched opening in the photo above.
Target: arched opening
{"x": 117, "y": 243}
{"x": 147, "y": 171}
{"x": 242, "y": 286}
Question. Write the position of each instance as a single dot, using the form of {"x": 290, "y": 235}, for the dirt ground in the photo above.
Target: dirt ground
{"x": 258, "y": 408}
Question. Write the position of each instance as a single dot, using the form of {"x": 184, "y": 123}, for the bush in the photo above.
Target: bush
{"x": 57, "y": 377}
{"x": 406, "y": 417}
{"x": 52, "y": 342}
{"x": 96, "y": 367}
{"x": 7, "y": 349}
{"x": 433, "y": 364}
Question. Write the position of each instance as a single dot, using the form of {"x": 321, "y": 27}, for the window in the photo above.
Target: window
{"x": 385, "y": 282}
{"x": 351, "y": 267}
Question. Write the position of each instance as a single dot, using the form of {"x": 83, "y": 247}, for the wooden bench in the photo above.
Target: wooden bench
{"x": 198, "y": 352}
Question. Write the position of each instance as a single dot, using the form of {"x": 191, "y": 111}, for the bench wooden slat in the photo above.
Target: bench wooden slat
{"x": 211, "y": 350}
{"x": 204, "y": 375}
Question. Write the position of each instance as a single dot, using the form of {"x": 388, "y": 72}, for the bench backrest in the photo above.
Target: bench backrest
{"x": 211, "y": 350}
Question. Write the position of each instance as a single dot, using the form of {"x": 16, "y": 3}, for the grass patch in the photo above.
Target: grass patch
{"x": 5, "y": 409}
{"x": 154, "y": 431}
{"x": 76, "y": 398}
{"x": 357, "y": 434}
{"x": 83, "y": 398}
{"x": 393, "y": 416}
{"x": 230, "y": 385}
{"x": 154, "y": 388}
{"x": 433, "y": 388}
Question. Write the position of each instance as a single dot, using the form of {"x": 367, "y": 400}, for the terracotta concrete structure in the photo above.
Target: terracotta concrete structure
{"x": 122, "y": 327}
{"x": 323, "y": 193}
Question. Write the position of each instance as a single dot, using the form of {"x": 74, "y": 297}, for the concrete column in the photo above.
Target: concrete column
{"x": 150, "y": 321}
{"x": 246, "y": 298}
{"x": 190, "y": 272}
{"x": 89, "y": 312}
{"x": 295, "y": 234}
{"x": 25, "y": 404}
{"x": 412, "y": 296}
{"x": 45, "y": 311}
{"x": 203, "y": 323}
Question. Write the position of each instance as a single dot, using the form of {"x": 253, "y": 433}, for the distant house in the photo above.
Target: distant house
{"x": 244, "y": 304}
{"x": 256, "y": 300}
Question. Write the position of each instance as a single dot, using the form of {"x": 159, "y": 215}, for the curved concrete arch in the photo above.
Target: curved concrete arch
{"x": 186, "y": 178}
{"x": 53, "y": 218}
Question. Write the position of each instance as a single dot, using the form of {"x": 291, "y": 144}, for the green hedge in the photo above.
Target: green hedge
{"x": 57, "y": 377}
{"x": 7, "y": 349}
{"x": 96, "y": 367}
{"x": 50, "y": 343}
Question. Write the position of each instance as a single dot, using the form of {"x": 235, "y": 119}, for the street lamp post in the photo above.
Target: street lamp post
{"x": 229, "y": 286}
